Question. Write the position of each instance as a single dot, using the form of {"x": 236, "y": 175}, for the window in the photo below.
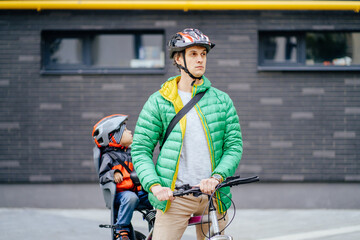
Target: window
{"x": 103, "y": 52}
{"x": 309, "y": 51}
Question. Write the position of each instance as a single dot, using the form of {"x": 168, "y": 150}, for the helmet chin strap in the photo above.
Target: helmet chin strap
{"x": 187, "y": 70}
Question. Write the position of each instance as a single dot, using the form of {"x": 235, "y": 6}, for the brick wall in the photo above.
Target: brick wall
{"x": 297, "y": 126}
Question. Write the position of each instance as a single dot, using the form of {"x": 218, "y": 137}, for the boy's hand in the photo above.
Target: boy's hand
{"x": 118, "y": 177}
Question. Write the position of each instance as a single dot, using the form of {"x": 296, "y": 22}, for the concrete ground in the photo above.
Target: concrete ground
{"x": 250, "y": 224}
{"x": 265, "y": 211}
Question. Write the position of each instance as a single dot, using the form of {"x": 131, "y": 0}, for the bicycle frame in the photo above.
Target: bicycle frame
{"x": 214, "y": 231}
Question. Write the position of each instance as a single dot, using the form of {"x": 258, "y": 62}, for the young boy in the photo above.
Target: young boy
{"x": 114, "y": 139}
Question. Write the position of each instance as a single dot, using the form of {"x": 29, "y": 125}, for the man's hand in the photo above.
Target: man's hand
{"x": 118, "y": 178}
{"x": 208, "y": 185}
{"x": 162, "y": 193}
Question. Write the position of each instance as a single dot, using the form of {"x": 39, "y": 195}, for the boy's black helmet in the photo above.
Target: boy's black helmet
{"x": 187, "y": 38}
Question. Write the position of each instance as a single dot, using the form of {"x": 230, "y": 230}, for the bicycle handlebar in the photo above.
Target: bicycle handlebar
{"x": 229, "y": 182}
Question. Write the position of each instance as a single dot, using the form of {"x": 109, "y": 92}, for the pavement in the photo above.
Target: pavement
{"x": 248, "y": 224}
{"x": 264, "y": 211}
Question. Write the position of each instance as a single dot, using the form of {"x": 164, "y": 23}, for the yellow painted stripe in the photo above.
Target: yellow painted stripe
{"x": 182, "y": 5}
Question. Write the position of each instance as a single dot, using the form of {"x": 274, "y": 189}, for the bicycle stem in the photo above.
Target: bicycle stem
{"x": 213, "y": 218}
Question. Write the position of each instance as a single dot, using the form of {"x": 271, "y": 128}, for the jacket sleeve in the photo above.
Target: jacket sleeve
{"x": 106, "y": 174}
{"x": 233, "y": 144}
{"x": 146, "y": 136}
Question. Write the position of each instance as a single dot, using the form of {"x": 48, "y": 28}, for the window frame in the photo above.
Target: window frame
{"x": 301, "y": 52}
{"x": 86, "y": 67}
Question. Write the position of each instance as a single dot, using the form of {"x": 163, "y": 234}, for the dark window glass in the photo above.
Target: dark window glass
{"x": 333, "y": 49}
{"x": 280, "y": 49}
{"x": 309, "y": 50}
{"x": 103, "y": 51}
{"x": 111, "y": 50}
{"x": 65, "y": 51}
{"x": 150, "y": 52}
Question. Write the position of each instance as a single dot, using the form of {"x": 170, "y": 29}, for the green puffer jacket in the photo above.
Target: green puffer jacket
{"x": 222, "y": 129}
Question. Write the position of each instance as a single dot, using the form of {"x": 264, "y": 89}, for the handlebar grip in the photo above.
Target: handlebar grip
{"x": 178, "y": 193}
{"x": 182, "y": 192}
{"x": 238, "y": 181}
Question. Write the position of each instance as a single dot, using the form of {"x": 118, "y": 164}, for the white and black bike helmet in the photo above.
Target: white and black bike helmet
{"x": 108, "y": 131}
{"x": 187, "y": 38}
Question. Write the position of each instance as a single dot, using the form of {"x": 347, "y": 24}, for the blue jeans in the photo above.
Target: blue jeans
{"x": 127, "y": 202}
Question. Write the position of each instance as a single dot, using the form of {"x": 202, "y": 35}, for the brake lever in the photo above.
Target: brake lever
{"x": 197, "y": 194}
{"x": 227, "y": 180}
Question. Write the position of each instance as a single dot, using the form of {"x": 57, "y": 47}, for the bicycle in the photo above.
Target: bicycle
{"x": 211, "y": 218}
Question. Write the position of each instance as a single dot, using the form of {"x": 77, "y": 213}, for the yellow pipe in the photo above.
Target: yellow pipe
{"x": 181, "y": 5}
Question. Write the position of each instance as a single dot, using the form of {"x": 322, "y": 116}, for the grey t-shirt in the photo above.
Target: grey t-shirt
{"x": 195, "y": 163}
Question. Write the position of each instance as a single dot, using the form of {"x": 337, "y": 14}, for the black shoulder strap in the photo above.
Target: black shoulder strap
{"x": 114, "y": 157}
{"x": 181, "y": 114}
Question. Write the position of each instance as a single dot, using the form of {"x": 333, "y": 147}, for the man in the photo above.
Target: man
{"x": 203, "y": 149}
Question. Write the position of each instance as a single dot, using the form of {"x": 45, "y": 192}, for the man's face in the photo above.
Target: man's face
{"x": 195, "y": 60}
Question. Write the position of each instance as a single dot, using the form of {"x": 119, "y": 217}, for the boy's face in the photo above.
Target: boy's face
{"x": 127, "y": 138}
{"x": 195, "y": 60}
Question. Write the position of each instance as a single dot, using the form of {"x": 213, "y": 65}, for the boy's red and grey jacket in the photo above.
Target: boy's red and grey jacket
{"x": 222, "y": 129}
{"x": 109, "y": 166}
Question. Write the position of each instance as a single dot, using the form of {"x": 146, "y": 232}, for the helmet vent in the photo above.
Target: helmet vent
{"x": 96, "y": 132}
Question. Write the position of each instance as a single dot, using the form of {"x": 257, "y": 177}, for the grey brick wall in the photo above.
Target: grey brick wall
{"x": 297, "y": 126}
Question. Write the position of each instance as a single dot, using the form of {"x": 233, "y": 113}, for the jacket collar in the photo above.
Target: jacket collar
{"x": 169, "y": 89}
